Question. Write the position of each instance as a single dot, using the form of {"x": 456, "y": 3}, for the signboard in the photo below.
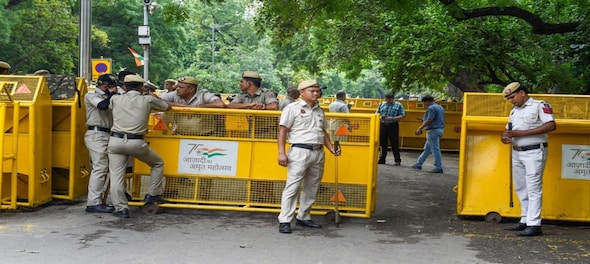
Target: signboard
{"x": 575, "y": 162}
{"x": 208, "y": 157}
{"x": 100, "y": 67}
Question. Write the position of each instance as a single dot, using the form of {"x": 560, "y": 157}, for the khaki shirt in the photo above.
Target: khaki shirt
{"x": 131, "y": 111}
{"x": 263, "y": 95}
{"x": 202, "y": 96}
{"x": 95, "y": 116}
{"x": 283, "y": 103}
{"x": 306, "y": 125}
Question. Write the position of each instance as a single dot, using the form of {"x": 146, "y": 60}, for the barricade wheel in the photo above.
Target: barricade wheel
{"x": 331, "y": 216}
{"x": 149, "y": 208}
{"x": 493, "y": 217}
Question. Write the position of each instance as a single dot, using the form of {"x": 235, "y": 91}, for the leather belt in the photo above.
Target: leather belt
{"x": 529, "y": 147}
{"x": 129, "y": 136}
{"x": 307, "y": 146}
{"x": 97, "y": 128}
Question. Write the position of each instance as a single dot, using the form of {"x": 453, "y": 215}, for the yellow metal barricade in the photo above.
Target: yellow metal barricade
{"x": 26, "y": 141}
{"x": 70, "y": 158}
{"x": 450, "y": 140}
{"x": 225, "y": 159}
{"x": 484, "y": 165}
{"x": 8, "y": 181}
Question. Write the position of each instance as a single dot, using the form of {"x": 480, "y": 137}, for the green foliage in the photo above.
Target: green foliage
{"x": 365, "y": 48}
{"x": 431, "y": 44}
{"x": 42, "y": 35}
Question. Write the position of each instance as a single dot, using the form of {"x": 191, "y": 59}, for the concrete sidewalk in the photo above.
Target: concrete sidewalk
{"x": 414, "y": 222}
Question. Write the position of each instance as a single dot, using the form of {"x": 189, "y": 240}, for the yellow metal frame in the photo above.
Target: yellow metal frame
{"x": 70, "y": 158}
{"x": 414, "y": 113}
{"x": 11, "y": 157}
{"x": 483, "y": 187}
{"x": 259, "y": 180}
{"x": 29, "y": 130}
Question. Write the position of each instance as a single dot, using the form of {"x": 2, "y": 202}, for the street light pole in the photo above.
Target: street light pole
{"x": 145, "y": 39}
{"x": 215, "y": 28}
{"x": 84, "y": 70}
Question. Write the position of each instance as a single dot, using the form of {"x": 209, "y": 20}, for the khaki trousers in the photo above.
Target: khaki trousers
{"x": 119, "y": 151}
{"x": 305, "y": 167}
{"x": 97, "y": 143}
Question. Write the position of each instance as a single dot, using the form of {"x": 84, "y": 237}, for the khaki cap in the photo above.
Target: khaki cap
{"x": 511, "y": 88}
{"x": 251, "y": 74}
{"x": 307, "y": 84}
{"x": 188, "y": 80}
{"x": 133, "y": 78}
{"x": 4, "y": 65}
{"x": 41, "y": 72}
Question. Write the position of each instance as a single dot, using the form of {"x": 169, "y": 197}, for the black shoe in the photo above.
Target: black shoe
{"x": 397, "y": 163}
{"x": 101, "y": 208}
{"x": 285, "y": 228}
{"x": 307, "y": 223}
{"x": 517, "y": 227}
{"x": 122, "y": 214}
{"x": 381, "y": 162}
{"x": 154, "y": 199}
{"x": 531, "y": 231}
{"x": 436, "y": 171}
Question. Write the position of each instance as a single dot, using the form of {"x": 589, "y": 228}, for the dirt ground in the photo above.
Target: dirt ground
{"x": 414, "y": 222}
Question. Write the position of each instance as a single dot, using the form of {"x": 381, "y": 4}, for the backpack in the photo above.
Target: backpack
{"x": 61, "y": 86}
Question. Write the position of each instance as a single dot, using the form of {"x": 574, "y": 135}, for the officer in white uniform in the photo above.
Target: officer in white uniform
{"x": 130, "y": 115}
{"x": 531, "y": 121}
{"x": 99, "y": 119}
{"x": 305, "y": 125}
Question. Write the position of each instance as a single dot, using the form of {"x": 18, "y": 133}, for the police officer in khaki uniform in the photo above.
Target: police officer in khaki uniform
{"x": 99, "y": 119}
{"x": 4, "y": 68}
{"x": 292, "y": 95}
{"x": 130, "y": 115}
{"x": 169, "y": 86}
{"x": 305, "y": 125}
{"x": 252, "y": 96}
{"x": 188, "y": 94}
{"x": 531, "y": 121}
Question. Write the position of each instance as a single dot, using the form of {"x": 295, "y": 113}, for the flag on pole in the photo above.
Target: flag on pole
{"x": 138, "y": 58}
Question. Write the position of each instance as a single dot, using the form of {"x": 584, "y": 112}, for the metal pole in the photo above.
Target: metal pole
{"x": 213, "y": 48}
{"x": 84, "y": 70}
{"x": 146, "y": 47}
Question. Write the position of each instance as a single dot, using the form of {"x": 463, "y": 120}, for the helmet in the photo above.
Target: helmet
{"x": 107, "y": 79}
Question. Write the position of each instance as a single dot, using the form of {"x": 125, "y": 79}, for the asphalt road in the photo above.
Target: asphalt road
{"x": 414, "y": 222}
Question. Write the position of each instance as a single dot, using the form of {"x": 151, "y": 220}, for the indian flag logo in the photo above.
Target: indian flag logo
{"x": 213, "y": 152}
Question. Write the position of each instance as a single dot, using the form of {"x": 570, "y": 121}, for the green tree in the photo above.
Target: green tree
{"x": 473, "y": 45}
{"x": 39, "y": 34}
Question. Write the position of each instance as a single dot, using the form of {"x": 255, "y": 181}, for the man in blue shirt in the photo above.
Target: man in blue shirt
{"x": 391, "y": 112}
{"x": 434, "y": 123}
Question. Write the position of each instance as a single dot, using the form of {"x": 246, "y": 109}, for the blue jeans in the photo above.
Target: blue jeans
{"x": 432, "y": 145}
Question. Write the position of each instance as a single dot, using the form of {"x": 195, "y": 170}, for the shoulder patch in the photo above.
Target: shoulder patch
{"x": 547, "y": 108}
